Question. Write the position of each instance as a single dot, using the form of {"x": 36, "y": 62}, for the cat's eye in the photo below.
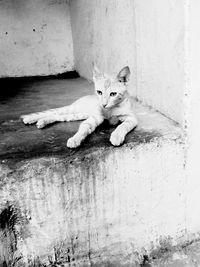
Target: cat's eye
{"x": 113, "y": 94}
{"x": 121, "y": 80}
{"x": 99, "y": 92}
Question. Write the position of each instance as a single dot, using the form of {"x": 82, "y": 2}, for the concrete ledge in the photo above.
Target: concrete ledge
{"x": 95, "y": 205}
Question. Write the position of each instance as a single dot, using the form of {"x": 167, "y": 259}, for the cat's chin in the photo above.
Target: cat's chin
{"x": 107, "y": 107}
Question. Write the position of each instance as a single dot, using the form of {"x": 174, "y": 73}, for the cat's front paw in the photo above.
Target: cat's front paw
{"x": 73, "y": 142}
{"x": 28, "y": 119}
{"x": 116, "y": 139}
{"x": 41, "y": 124}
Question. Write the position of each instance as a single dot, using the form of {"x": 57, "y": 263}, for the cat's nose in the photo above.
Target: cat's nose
{"x": 104, "y": 105}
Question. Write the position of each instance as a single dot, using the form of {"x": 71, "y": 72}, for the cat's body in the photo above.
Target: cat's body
{"x": 111, "y": 101}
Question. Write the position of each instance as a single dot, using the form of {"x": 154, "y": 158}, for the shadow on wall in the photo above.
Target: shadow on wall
{"x": 16, "y": 6}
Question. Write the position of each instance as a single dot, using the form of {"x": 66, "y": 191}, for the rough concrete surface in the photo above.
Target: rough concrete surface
{"x": 23, "y": 96}
{"x": 185, "y": 256}
{"x": 104, "y": 33}
{"x": 36, "y": 38}
{"x": 96, "y": 205}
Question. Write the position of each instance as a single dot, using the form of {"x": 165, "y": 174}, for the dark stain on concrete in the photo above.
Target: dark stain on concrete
{"x": 9, "y": 88}
{"x": 8, "y": 221}
{"x": 8, "y": 218}
{"x": 13, "y": 227}
{"x": 145, "y": 262}
{"x": 165, "y": 246}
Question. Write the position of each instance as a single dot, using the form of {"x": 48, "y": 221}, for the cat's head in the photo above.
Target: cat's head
{"x": 111, "y": 90}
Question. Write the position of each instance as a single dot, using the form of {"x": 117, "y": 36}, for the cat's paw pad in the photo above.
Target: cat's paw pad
{"x": 40, "y": 124}
{"x": 73, "y": 142}
{"x": 116, "y": 139}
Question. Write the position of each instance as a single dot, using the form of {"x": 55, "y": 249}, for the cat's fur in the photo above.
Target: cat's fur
{"x": 111, "y": 101}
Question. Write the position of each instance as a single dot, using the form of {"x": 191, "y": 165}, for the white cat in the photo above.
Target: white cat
{"x": 111, "y": 101}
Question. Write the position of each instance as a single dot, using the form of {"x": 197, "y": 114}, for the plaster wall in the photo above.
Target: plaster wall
{"x": 104, "y": 33}
{"x": 192, "y": 116}
{"x": 160, "y": 33}
{"x": 35, "y": 38}
{"x": 146, "y": 35}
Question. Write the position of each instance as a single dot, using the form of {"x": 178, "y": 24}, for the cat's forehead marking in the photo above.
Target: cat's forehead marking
{"x": 107, "y": 84}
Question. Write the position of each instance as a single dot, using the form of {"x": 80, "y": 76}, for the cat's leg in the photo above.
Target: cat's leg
{"x": 86, "y": 127}
{"x": 118, "y": 135}
{"x": 60, "y": 118}
{"x": 34, "y": 117}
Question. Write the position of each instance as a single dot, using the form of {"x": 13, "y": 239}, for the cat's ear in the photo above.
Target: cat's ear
{"x": 124, "y": 75}
{"x": 96, "y": 72}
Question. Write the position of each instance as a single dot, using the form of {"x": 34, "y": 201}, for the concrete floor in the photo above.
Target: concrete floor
{"x": 23, "y": 96}
{"x": 18, "y": 141}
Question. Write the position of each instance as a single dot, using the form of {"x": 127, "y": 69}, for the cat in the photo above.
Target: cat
{"x": 111, "y": 101}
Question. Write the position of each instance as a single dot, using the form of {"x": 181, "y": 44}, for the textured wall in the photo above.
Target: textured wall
{"x": 35, "y": 37}
{"x": 85, "y": 211}
{"x": 148, "y": 35}
{"x": 192, "y": 116}
{"x": 160, "y": 33}
{"x": 104, "y": 33}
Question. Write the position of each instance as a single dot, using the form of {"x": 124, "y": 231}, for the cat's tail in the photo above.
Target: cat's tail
{"x": 34, "y": 117}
